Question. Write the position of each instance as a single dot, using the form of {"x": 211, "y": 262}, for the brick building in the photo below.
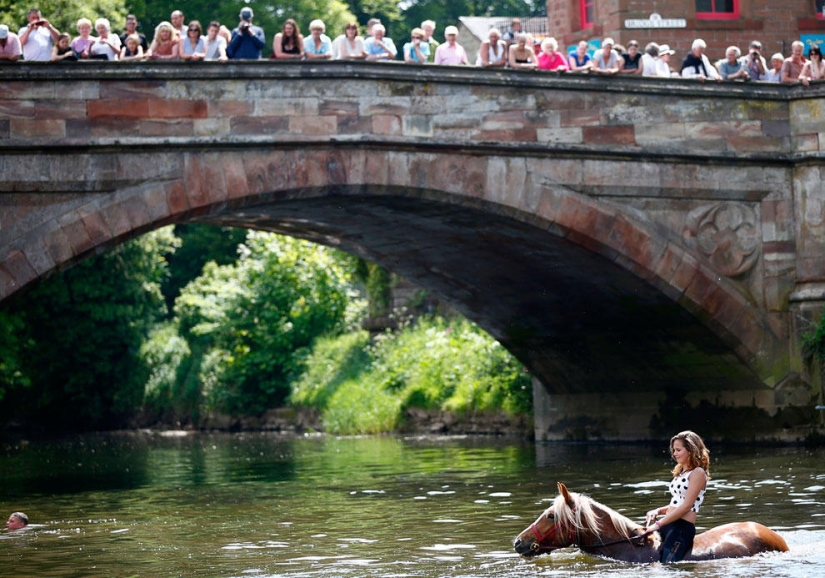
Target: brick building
{"x": 720, "y": 23}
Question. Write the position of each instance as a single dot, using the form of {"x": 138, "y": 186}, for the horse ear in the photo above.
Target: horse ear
{"x": 566, "y": 494}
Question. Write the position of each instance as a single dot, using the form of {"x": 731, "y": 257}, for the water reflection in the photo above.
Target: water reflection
{"x": 269, "y": 505}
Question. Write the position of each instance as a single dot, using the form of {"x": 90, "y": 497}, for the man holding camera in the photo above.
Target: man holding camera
{"x": 754, "y": 61}
{"x": 247, "y": 39}
{"x": 37, "y": 37}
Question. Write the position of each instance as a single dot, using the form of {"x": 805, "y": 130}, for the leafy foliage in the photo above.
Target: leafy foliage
{"x": 199, "y": 244}
{"x": 433, "y": 364}
{"x": 64, "y": 14}
{"x": 254, "y": 317}
{"x": 268, "y": 15}
{"x": 78, "y": 337}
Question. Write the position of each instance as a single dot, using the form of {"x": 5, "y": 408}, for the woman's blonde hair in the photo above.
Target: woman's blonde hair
{"x": 699, "y": 454}
{"x": 164, "y": 26}
{"x": 83, "y": 21}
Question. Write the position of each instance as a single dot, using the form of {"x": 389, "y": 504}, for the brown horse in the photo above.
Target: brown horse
{"x": 576, "y": 520}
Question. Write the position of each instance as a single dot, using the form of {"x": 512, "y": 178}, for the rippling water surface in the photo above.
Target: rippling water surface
{"x": 258, "y": 505}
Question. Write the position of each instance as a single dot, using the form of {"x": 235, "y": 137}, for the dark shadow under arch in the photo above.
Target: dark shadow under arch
{"x": 579, "y": 321}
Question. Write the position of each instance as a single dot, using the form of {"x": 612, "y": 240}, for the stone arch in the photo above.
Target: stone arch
{"x": 493, "y": 202}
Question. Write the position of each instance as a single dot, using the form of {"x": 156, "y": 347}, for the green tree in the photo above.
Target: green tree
{"x": 64, "y": 14}
{"x": 387, "y": 11}
{"x": 268, "y": 15}
{"x": 81, "y": 332}
{"x": 199, "y": 244}
{"x": 256, "y": 317}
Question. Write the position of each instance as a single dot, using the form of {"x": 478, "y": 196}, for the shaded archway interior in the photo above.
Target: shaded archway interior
{"x": 579, "y": 322}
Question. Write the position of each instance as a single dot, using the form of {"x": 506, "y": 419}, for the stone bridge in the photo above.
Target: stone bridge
{"x": 630, "y": 240}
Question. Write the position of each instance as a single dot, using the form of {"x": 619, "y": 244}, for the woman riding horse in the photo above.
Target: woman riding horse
{"x": 576, "y": 520}
{"x": 687, "y": 489}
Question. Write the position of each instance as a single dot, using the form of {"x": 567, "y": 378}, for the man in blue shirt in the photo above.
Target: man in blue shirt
{"x": 247, "y": 39}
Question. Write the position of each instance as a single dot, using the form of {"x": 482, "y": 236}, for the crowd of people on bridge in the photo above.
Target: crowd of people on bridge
{"x": 39, "y": 40}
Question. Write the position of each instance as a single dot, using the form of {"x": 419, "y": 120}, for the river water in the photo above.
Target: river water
{"x": 266, "y": 505}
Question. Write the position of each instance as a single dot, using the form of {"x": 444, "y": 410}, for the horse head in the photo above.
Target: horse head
{"x": 576, "y": 520}
{"x": 552, "y": 530}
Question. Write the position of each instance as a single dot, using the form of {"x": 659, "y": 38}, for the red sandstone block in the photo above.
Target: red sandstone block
{"x": 18, "y": 270}
{"x": 230, "y": 108}
{"x": 95, "y": 225}
{"x": 76, "y": 233}
{"x": 31, "y": 129}
{"x": 176, "y": 198}
{"x": 16, "y": 108}
{"x": 116, "y": 219}
{"x": 313, "y": 125}
{"x": 265, "y": 173}
{"x": 57, "y": 245}
{"x": 177, "y": 108}
{"x": 336, "y": 168}
{"x": 161, "y": 128}
{"x": 194, "y": 183}
{"x": 212, "y": 170}
{"x": 386, "y": 125}
{"x": 60, "y": 109}
{"x": 631, "y": 241}
{"x": 594, "y": 221}
{"x": 235, "y": 178}
{"x": 686, "y": 270}
{"x": 116, "y": 109}
{"x": 134, "y": 206}
{"x": 376, "y": 167}
{"x": 608, "y": 135}
{"x": 566, "y": 212}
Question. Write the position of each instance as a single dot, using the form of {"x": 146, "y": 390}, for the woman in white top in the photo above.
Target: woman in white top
{"x": 814, "y": 68}
{"x": 493, "y": 51}
{"x": 106, "y": 43}
{"x": 349, "y": 45}
{"x": 677, "y": 526}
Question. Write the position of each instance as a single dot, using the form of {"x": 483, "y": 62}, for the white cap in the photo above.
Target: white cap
{"x": 4, "y": 31}
{"x": 245, "y": 10}
{"x": 450, "y": 30}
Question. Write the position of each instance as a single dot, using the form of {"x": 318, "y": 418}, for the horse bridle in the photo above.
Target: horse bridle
{"x": 538, "y": 547}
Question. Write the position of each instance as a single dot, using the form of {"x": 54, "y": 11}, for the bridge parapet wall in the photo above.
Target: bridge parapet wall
{"x": 140, "y": 103}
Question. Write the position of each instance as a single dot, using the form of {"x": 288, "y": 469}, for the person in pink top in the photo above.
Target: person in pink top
{"x": 9, "y": 45}
{"x": 451, "y": 53}
{"x": 83, "y": 43}
{"x": 550, "y": 57}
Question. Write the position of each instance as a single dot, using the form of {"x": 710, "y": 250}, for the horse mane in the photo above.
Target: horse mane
{"x": 584, "y": 516}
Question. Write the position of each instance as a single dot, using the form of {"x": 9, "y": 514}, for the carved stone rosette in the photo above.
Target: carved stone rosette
{"x": 726, "y": 234}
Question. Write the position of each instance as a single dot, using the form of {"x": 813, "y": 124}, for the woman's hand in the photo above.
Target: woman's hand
{"x": 651, "y": 516}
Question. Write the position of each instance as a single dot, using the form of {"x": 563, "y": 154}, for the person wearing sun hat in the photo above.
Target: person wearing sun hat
{"x": 9, "y": 45}
{"x": 451, "y": 53}
{"x": 665, "y": 52}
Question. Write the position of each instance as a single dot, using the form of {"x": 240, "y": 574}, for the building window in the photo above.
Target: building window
{"x": 717, "y": 9}
{"x": 587, "y": 9}
{"x": 819, "y": 7}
